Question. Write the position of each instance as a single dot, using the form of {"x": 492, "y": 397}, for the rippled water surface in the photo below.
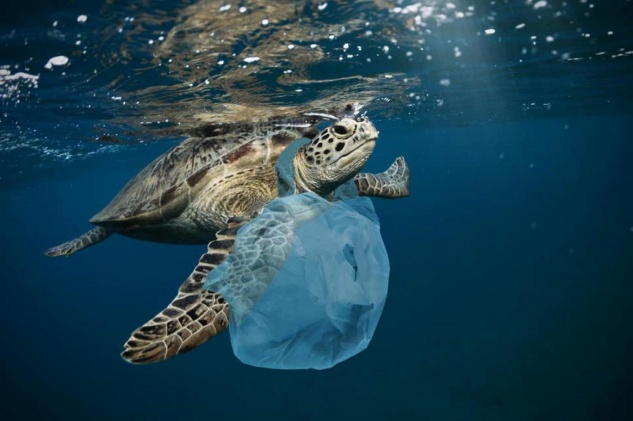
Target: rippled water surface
{"x": 510, "y": 291}
{"x": 141, "y": 66}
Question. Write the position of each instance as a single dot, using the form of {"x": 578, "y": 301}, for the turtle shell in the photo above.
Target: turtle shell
{"x": 164, "y": 188}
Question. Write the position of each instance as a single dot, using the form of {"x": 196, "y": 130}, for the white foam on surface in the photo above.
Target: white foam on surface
{"x": 56, "y": 61}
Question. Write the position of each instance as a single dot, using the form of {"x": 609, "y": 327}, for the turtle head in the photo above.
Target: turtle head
{"x": 334, "y": 156}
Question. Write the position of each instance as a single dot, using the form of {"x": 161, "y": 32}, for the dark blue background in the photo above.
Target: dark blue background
{"x": 511, "y": 293}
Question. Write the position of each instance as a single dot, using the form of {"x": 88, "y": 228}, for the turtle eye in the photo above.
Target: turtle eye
{"x": 340, "y": 129}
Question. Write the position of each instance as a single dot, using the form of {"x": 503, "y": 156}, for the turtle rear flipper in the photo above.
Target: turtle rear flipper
{"x": 90, "y": 238}
{"x": 391, "y": 184}
{"x": 193, "y": 317}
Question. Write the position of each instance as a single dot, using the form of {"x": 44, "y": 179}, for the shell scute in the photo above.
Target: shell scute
{"x": 164, "y": 188}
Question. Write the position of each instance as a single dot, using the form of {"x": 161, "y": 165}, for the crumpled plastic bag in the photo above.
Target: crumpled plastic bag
{"x": 307, "y": 281}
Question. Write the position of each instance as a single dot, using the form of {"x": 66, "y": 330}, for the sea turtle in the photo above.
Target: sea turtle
{"x": 205, "y": 189}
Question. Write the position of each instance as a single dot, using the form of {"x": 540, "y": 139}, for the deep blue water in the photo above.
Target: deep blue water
{"x": 511, "y": 288}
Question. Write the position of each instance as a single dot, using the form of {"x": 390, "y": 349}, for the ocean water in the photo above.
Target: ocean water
{"x": 511, "y": 288}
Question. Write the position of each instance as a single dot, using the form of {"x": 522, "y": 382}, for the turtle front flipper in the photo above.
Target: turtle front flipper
{"x": 90, "y": 238}
{"x": 193, "y": 317}
{"x": 391, "y": 184}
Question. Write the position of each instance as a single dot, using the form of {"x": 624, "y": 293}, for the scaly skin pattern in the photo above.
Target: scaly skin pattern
{"x": 89, "y": 238}
{"x": 194, "y": 316}
{"x": 391, "y": 184}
